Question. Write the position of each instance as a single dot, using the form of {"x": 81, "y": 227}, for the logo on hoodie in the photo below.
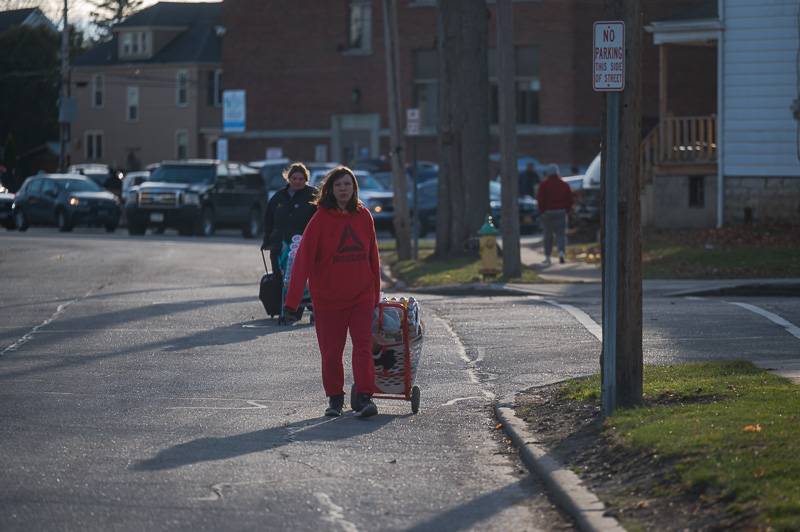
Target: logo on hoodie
{"x": 350, "y": 248}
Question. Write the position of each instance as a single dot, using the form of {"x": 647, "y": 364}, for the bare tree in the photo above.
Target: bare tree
{"x": 463, "y": 123}
{"x": 106, "y": 13}
{"x": 401, "y": 217}
{"x": 512, "y": 264}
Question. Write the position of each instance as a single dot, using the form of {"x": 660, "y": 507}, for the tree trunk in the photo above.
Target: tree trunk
{"x": 629, "y": 359}
{"x": 401, "y": 216}
{"x": 463, "y": 123}
{"x": 512, "y": 266}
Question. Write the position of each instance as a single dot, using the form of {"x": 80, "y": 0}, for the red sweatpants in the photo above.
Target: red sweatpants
{"x": 332, "y": 326}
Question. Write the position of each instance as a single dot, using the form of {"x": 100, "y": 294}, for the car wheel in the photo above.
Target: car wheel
{"x": 20, "y": 220}
{"x": 63, "y": 221}
{"x": 159, "y": 230}
{"x": 208, "y": 222}
{"x": 110, "y": 228}
{"x": 253, "y": 227}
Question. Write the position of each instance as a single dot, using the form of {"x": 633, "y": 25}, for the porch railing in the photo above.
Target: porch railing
{"x": 679, "y": 140}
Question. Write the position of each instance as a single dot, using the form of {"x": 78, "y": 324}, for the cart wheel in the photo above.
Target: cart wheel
{"x": 415, "y": 399}
{"x": 354, "y": 404}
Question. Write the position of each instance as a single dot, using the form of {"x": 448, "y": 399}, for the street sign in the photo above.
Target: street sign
{"x": 608, "y": 65}
{"x": 233, "y": 111}
{"x": 222, "y": 149}
{"x": 413, "y": 121}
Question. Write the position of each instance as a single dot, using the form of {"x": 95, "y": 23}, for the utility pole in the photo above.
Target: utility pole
{"x": 512, "y": 266}
{"x": 401, "y": 218}
{"x": 63, "y": 102}
{"x": 622, "y": 229}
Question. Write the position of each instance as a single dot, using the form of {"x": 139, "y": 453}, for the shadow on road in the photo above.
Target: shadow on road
{"x": 467, "y": 515}
{"x": 212, "y": 449}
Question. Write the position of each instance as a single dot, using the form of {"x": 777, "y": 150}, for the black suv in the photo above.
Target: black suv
{"x": 196, "y": 197}
{"x": 65, "y": 200}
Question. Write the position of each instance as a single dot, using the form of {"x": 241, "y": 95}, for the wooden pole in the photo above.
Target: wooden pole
{"x": 629, "y": 362}
{"x": 512, "y": 266}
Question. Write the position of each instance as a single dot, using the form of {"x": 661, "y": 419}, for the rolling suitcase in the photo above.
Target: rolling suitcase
{"x": 270, "y": 289}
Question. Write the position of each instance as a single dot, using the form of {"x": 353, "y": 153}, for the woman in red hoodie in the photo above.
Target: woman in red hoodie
{"x": 338, "y": 256}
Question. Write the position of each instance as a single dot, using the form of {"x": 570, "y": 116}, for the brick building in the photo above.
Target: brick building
{"x": 315, "y": 79}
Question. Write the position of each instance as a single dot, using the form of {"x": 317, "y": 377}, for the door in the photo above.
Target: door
{"x": 355, "y": 145}
{"x": 33, "y": 202}
{"x": 47, "y": 202}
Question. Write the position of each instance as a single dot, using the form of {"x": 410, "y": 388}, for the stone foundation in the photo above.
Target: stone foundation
{"x": 761, "y": 199}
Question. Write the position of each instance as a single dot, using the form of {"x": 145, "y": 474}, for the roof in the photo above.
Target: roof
{"x": 15, "y": 17}
{"x": 199, "y": 43}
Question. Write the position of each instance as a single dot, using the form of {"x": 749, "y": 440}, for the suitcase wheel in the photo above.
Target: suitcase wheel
{"x": 415, "y": 399}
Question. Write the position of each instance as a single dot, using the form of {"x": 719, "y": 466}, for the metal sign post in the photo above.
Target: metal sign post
{"x": 412, "y": 130}
{"x": 609, "y": 76}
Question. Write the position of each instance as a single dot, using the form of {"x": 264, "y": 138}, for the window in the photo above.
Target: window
{"x": 359, "y": 26}
{"x": 134, "y": 44}
{"x": 182, "y": 88}
{"x": 214, "y": 88}
{"x": 527, "y": 85}
{"x": 94, "y": 145}
{"x": 181, "y": 144}
{"x": 127, "y": 44}
{"x": 426, "y": 85}
{"x": 697, "y": 191}
{"x": 132, "y": 114}
{"x": 98, "y": 90}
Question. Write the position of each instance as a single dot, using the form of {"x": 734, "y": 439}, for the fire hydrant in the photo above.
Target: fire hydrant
{"x": 490, "y": 262}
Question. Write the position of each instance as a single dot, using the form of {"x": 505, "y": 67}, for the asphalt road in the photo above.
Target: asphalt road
{"x": 143, "y": 389}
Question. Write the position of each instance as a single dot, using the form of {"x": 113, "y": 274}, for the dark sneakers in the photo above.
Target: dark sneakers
{"x": 367, "y": 407}
{"x": 335, "y": 405}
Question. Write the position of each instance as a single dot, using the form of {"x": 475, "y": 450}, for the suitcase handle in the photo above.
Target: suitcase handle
{"x": 264, "y": 259}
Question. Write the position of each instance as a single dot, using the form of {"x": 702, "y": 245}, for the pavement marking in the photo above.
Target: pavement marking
{"x": 583, "y": 318}
{"x": 29, "y": 335}
{"x": 790, "y": 327}
{"x": 254, "y": 405}
{"x": 694, "y": 298}
{"x": 335, "y": 513}
{"x": 451, "y": 402}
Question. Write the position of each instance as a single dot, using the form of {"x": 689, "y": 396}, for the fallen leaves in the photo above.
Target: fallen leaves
{"x": 752, "y": 428}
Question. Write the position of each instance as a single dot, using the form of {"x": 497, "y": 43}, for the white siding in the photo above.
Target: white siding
{"x": 761, "y": 80}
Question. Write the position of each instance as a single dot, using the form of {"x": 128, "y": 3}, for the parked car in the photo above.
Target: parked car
{"x": 427, "y": 201}
{"x": 6, "y": 213}
{"x": 585, "y": 217}
{"x": 271, "y": 171}
{"x": 65, "y": 200}
{"x": 371, "y": 192}
{"x": 100, "y": 174}
{"x": 197, "y": 196}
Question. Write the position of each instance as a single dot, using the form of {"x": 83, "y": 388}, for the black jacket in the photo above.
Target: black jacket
{"x": 287, "y": 216}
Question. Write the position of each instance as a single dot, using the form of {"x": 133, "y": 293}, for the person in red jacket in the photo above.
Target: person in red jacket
{"x": 555, "y": 201}
{"x": 338, "y": 256}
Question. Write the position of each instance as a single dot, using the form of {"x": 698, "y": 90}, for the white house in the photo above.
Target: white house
{"x": 739, "y": 159}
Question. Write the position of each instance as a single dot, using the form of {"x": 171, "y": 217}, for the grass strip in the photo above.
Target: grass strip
{"x": 729, "y": 428}
{"x": 430, "y": 271}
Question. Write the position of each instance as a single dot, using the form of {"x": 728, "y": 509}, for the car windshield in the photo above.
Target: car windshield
{"x": 367, "y": 182}
{"x": 79, "y": 185}
{"x": 593, "y": 172}
{"x": 183, "y": 174}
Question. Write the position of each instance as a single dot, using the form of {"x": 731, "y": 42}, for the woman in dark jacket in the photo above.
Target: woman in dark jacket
{"x": 288, "y": 211}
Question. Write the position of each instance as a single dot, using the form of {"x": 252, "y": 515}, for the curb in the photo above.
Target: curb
{"x": 471, "y": 289}
{"x": 564, "y": 486}
{"x": 774, "y": 289}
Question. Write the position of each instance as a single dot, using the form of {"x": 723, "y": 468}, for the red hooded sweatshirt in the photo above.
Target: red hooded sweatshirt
{"x": 554, "y": 194}
{"x": 339, "y": 257}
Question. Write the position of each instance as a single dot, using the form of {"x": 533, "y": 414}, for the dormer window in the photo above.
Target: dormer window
{"x": 134, "y": 44}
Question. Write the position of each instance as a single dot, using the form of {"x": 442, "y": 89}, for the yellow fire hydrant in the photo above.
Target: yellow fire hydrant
{"x": 490, "y": 262}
